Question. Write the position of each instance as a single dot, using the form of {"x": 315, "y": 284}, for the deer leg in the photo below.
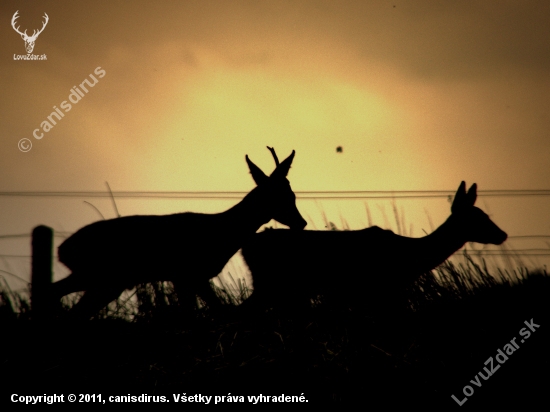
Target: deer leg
{"x": 205, "y": 291}
{"x": 55, "y": 291}
{"x": 187, "y": 298}
{"x": 258, "y": 302}
{"x": 93, "y": 301}
{"x": 252, "y": 303}
{"x": 70, "y": 284}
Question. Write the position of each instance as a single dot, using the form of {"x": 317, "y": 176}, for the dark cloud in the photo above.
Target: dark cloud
{"x": 422, "y": 38}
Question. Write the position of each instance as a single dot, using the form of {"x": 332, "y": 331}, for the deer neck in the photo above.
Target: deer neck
{"x": 439, "y": 245}
{"x": 247, "y": 216}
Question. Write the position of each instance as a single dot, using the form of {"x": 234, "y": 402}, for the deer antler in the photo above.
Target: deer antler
{"x": 15, "y": 17}
{"x": 272, "y": 150}
{"x": 35, "y": 35}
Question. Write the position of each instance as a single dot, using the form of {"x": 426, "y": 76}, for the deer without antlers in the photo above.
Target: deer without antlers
{"x": 29, "y": 40}
{"x": 109, "y": 256}
{"x": 290, "y": 267}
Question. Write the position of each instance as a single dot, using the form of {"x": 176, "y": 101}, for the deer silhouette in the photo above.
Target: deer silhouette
{"x": 188, "y": 249}
{"x": 295, "y": 267}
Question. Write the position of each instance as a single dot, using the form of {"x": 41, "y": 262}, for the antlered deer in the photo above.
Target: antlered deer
{"x": 189, "y": 249}
{"x": 289, "y": 267}
{"x": 29, "y": 40}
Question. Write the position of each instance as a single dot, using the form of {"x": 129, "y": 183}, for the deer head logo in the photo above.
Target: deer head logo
{"x": 29, "y": 40}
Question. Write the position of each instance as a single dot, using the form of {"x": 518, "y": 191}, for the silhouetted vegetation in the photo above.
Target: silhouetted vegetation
{"x": 450, "y": 322}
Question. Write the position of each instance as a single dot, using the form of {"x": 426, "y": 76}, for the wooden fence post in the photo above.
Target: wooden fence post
{"x": 41, "y": 277}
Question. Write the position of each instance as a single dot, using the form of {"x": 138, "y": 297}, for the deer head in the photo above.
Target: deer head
{"x": 279, "y": 197}
{"x": 474, "y": 222}
{"x": 29, "y": 40}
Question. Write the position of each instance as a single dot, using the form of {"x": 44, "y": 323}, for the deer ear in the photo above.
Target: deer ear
{"x": 257, "y": 174}
{"x": 472, "y": 195}
{"x": 284, "y": 167}
{"x": 460, "y": 195}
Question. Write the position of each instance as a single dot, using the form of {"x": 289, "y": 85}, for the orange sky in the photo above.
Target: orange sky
{"x": 420, "y": 95}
